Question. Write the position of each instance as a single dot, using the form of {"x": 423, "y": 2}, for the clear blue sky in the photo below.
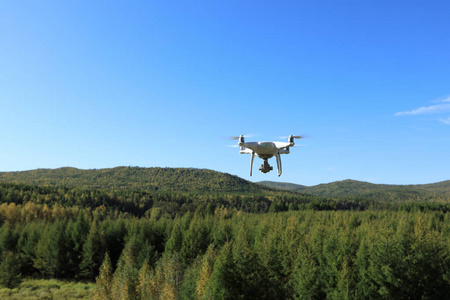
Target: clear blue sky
{"x": 99, "y": 84}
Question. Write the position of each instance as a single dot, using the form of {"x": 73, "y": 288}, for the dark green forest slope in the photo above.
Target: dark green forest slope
{"x": 364, "y": 190}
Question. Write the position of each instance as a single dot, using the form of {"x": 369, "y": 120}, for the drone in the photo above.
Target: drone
{"x": 266, "y": 150}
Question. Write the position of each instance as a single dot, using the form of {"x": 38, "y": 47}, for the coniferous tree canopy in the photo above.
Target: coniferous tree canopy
{"x": 10, "y": 276}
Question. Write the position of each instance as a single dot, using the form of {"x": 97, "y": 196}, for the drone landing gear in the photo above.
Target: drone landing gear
{"x": 265, "y": 167}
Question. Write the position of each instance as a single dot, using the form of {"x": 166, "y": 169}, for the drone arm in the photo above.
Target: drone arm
{"x": 278, "y": 157}
{"x": 283, "y": 146}
{"x": 251, "y": 162}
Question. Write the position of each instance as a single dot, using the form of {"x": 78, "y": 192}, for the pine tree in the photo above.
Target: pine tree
{"x": 272, "y": 248}
{"x": 113, "y": 235}
{"x": 26, "y": 248}
{"x": 173, "y": 277}
{"x": 126, "y": 276}
{"x": 206, "y": 269}
{"x": 143, "y": 289}
{"x": 8, "y": 238}
{"x": 247, "y": 266}
{"x": 175, "y": 242}
{"x": 78, "y": 235}
{"x": 188, "y": 287}
{"x": 374, "y": 262}
{"x": 195, "y": 241}
{"x": 50, "y": 251}
{"x": 92, "y": 253}
{"x": 222, "y": 284}
{"x": 364, "y": 286}
{"x": 167, "y": 278}
{"x": 142, "y": 250}
{"x": 103, "y": 285}
{"x": 425, "y": 264}
{"x": 10, "y": 276}
{"x": 343, "y": 289}
{"x": 305, "y": 277}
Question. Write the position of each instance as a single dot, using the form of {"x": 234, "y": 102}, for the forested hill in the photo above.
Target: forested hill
{"x": 283, "y": 185}
{"x": 146, "y": 191}
{"x": 135, "y": 178}
{"x": 207, "y": 181}
{"x": 364, "y": 190}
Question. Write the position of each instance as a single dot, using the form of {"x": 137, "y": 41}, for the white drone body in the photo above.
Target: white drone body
{"x": 266, "y": 150}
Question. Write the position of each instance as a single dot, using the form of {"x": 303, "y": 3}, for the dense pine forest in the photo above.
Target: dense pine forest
{"x": 198, "y": 234}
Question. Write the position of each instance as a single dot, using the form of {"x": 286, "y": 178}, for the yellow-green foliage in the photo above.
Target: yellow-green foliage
{"x": 48, "y": 289}
{"x": 206, "y": 269}
{"x": 104, "y": 281}
{"x": 165, "y": 281}
{"x": 125, "y": 277}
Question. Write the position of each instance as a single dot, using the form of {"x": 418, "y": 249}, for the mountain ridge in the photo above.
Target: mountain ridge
{"x": 209, "y": 181}
{"x": 148, "y": 179}
{"x": 350, "y": 188}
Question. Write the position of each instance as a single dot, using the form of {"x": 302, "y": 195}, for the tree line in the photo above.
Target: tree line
{"x": 45, "y": 201}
